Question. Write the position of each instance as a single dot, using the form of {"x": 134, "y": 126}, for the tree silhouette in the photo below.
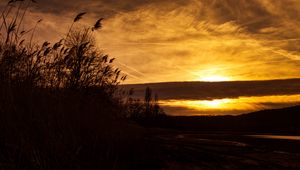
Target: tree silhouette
{"x": 147, "y": 111}
{"x": 148, "y": 100}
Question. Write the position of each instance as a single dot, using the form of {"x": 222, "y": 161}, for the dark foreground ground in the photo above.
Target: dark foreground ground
{"x": 223, "y": 150}
{"x": 135, "y": 147}
{"x": 48, "y": 130}
{"x": 229, "y": 142}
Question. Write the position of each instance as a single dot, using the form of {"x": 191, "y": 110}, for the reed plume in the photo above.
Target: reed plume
{"x": 79, "y": 16}
{"x": 98, "y": 24}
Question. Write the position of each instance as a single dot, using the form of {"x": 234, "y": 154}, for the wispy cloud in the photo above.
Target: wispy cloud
{"x": 182, "y": 40}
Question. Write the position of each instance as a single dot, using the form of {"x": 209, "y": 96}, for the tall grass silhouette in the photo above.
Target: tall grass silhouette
{"x": 72, "y": 62}
{"x": 58, "y": 102}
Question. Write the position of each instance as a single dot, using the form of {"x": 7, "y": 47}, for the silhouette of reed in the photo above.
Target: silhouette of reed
{"x": 59, "y": 107}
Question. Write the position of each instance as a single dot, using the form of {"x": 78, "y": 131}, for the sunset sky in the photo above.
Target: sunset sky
{"x": 240, "y": 42}
{"x": 187, "y": 40}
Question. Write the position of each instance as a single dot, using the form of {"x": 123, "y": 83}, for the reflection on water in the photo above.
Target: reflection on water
{"x": 276, "y": 137}
{"x": 228, "y": 105}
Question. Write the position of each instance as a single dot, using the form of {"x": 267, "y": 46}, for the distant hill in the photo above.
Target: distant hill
{"x": 214, "y": 90}
{"x": 285, "y": 120}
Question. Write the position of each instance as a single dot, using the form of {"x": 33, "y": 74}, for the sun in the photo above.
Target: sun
{"x": 215, "y": 78}
{"x": 213, "y": 103}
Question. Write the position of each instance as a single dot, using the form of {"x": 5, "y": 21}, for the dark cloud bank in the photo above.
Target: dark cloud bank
{"x": 217, "y": 90}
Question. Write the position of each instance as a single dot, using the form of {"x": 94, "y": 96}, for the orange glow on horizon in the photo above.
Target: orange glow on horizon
{"x": 239, "y": 105}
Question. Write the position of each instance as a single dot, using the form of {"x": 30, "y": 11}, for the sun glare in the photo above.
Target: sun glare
{"x": 215, "y": 78}
{"x": 199, "y": 104}
{"x": 214, "y": 103}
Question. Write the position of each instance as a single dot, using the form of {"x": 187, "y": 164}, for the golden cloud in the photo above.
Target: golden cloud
{"x": 178, "y": 40}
